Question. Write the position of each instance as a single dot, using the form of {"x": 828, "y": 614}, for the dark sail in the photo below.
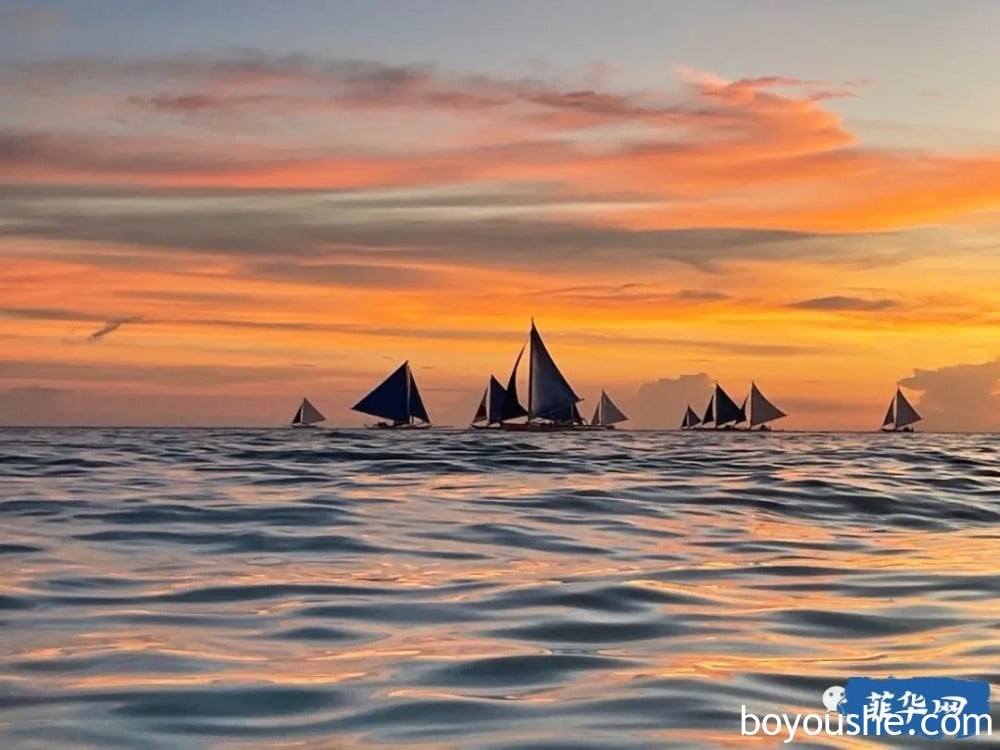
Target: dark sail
{"x": 690, "y": 418}
{"x": 743, "y": 413}
{"x": 481, "y": 411}
{"x": 726, "y": 409}
{"x": 890, "y": 415}
{"x": 495, "y": 397}
{"x": 491, "y": 405}
{"x": 297, "y": 419}
{"x": 396, "y": 398}
{"x": 905, "y": 414}
{"x": 415, "y": 405}
{"x": 709, "y": 413}
{"x": 762, "y": 411}
{"x": 389, "y": 399}
{"x": 511, "y": 408}
{"x": 550, "y": 396}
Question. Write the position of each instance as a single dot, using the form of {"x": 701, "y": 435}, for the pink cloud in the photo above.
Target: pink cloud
{"x": 759, "y": 150}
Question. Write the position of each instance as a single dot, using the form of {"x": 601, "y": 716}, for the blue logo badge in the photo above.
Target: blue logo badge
{"x": 929, "y": 707}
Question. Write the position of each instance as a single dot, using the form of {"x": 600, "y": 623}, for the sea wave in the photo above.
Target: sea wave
{"x": 238, "y": 588}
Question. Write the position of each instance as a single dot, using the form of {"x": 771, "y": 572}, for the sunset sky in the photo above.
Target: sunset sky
{"x": 211, "y": 209}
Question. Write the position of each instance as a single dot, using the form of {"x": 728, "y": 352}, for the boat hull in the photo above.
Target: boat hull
{"x": 303, "y": 427}
{"x": 387, "y": 426}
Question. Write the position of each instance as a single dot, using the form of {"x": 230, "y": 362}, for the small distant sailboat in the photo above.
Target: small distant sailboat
{"x": 762, "y": 411}
{"x": 396, "y": 399}
{"x": 690, "y": 418}
{"x": 722, "y": 411}
{"x": 607, "y": 415}
{"x": 307, "y": 415}
{"x": 490, "y": 411}
{"x": 900, "y": 415}
{"x": 551, "y": 400}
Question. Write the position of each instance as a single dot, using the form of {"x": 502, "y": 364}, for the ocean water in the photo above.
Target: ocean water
{"x": 454, "y": 589}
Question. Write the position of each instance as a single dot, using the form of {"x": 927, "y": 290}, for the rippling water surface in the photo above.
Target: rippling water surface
{"x": 452, "y": 589}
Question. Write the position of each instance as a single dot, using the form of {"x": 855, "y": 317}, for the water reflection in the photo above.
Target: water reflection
{"x": 219, "y": 588}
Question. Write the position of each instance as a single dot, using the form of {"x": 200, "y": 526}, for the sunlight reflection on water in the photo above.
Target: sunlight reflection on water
{"x": 453, "y": 589}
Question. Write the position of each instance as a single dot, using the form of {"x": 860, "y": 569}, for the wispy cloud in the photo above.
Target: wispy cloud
{"x": 719, "y": 141}
{"x": 111, "y": 326}
{"x": 326, "y": 236}
{"x": 633, "y": 292}
{"x": 47, "y": 313}
{"x": 844, "y": 304}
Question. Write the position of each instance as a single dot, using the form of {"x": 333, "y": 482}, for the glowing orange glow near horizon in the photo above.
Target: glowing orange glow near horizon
{"x": 739, "y": 229}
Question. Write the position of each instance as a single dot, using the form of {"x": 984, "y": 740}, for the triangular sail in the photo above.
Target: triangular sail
{"x": 481, "y": 414}
{"x": 762, "y": 411}
{"x": 297, "y": 419}
{"x": 709, "y": 412}
{"x": 726, "y": 409}
{"x": 415, "y": 404}
{"x": 389, "y": 399}
{"x": 511, "y": 408}
{"x": 549, "y": 395}
{"x": 309, "y": 414}
{"x": 890, "y": 415}
{"x": 494, "y": 399}
{"x": 905, "y": 414}
{"x": 607, "y": 413}
{"x": 396, "y": 398}
{"x": 743, "y": 412}
{"x": 690, "y": 418}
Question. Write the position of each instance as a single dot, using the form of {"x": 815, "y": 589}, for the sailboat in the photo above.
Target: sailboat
{"x": 490, "y": 411}
{"x": 396, "y": 399}
{"x": 607, "y": 415}
{"x": 690, "y": 419}
{"x": 723, "y": 411}
{"x": 900, "y": 415}
{"x": 551, "y": 400}
{"x": 307, "y": 415}
{"x": 762, "y": 411}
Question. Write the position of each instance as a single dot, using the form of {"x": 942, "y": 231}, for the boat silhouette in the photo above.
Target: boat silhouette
{"x": 900, "y": 415}
{"x": 397, "y": 401}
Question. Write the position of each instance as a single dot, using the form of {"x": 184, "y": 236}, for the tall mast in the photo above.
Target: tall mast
{"x": 531, "y": 363}
{"x": 715, "y": 405}
{"x": 409, "y": 387}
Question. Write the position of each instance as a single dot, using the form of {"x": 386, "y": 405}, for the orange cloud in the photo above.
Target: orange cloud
{"x": 756, "y": 152}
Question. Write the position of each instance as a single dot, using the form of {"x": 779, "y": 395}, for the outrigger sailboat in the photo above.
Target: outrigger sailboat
{"x": 722, "y": 411}
{"x": 900, "y": 415}
{"x": 551, "y": 400}
{"x": 762, "y": 411}
{"x": 396, "y": 399}
{"x": 490, "y": 411}
{"x": 606, "y": 414}
{"x": 690, "y": 419}
{"x": 307, "y": 415}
